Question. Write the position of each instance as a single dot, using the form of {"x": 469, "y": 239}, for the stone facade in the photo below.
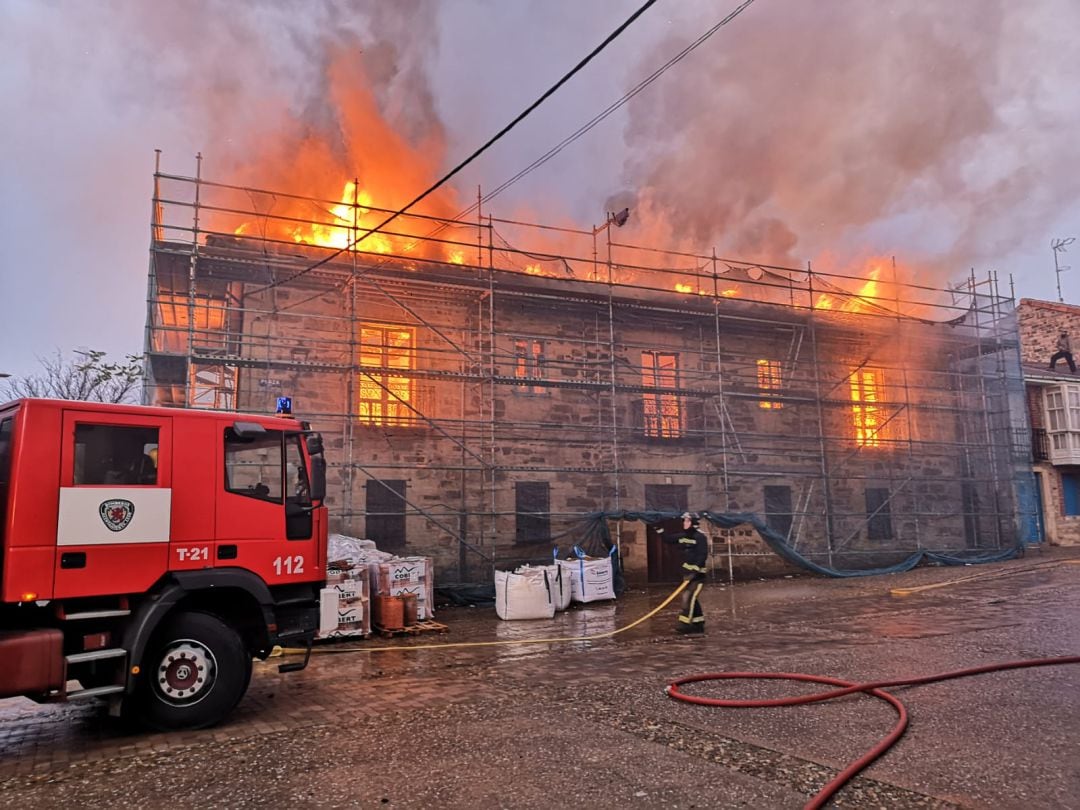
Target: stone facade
{"x": 480, "y": 416}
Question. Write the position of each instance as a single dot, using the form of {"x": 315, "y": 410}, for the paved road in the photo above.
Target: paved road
{"x": 587, "y": 724}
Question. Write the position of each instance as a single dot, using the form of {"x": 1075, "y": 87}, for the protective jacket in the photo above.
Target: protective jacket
{"x": 695, "y": 546}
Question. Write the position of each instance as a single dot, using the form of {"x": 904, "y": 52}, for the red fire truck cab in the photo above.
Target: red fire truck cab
{"x": 148, "y": 554}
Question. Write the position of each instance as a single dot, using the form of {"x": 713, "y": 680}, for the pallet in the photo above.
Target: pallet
{"x": 412, "y": 630}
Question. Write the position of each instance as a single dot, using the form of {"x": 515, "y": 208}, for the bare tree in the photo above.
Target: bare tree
{"x": 87, "y": 376}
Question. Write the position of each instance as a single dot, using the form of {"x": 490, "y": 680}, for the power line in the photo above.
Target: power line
{"x": 547, "y": 94}
{"x": 581, "y": 131}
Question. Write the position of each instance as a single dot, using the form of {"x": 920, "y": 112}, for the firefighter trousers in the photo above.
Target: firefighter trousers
{"x": 691, "y": 617}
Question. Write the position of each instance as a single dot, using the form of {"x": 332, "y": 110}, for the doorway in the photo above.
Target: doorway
{"x": 665, "y": 559}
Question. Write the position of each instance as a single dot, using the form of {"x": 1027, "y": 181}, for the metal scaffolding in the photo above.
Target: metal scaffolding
{"x": 487, "y": 385}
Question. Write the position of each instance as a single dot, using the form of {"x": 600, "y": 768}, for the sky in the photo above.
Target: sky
{"x": 942, "y": 134}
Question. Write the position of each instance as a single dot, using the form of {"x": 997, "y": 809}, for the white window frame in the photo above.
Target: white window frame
{"x": 1061, "y": 412}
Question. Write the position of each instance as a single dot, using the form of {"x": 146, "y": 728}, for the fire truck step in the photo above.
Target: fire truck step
{"x": 95, "y": 614}
{"x": 96, "y": 691}
{"x": 95, "y": 655}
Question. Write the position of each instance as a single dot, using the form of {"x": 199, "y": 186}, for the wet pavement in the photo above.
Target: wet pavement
{"x": 587, "y": 723}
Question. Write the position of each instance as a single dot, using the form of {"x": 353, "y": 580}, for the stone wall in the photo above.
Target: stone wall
{"x": 538, "y": 382}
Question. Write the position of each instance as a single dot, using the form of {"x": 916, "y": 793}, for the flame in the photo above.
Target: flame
{"x": 866, "y": 411}
{"x": 866, "y": 299}
{"x": 348, "y": 221}
{"x": 689, "y": 289}
{"x": 534, "y": 270}
{"x": 312, "y": 164}
{"x": 729, "y": 293}
{"x": 869, "y": 291}
{"x": 456, "y": 257}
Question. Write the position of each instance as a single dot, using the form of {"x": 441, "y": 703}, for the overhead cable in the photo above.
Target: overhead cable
{"x": 491, "y": 141}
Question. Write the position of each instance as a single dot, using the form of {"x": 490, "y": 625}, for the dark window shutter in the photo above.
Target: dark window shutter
{"x": 386, "y": 514}
{"x": 778, "y": 513}
{"x": 695, "y": 415}
{"x": 533, "y": 508}
{"x": 878, "y": 518}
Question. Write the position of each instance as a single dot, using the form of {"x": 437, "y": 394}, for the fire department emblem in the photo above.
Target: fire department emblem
{"x": 116, "y": 514}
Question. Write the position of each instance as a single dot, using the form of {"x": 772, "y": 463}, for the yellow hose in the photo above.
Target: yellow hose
{"x": 609, "y": 633}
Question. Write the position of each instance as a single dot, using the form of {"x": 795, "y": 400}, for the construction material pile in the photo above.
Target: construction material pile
{"x": 367, "y": 590}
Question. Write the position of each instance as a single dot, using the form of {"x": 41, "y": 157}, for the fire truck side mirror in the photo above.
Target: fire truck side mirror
{"x": 318, "y": 478}
{"x": 314, "y": 444}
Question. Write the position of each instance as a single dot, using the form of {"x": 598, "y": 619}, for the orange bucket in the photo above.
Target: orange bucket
{"x": 410, "y": 608}
{"x": 389, "y": 612}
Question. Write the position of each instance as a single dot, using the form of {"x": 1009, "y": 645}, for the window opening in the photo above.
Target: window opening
{"x": 533, "y": 508}
{"x": 768, "y": 375}
{"x": 385, "y": 512}
{"x": 385, "y": 391}
{"x": 529, "y": 362}
{"x": 116, "y": 455}
{"x": 6, "y": 429}
{"x": 663, "y": 412}
{"x": 204, "y": 314}
{"x": 867, "y": 413}
{"x": 878, "y": 517}
{"x": 253, "y": 466}
{"x": 778, "y": 515}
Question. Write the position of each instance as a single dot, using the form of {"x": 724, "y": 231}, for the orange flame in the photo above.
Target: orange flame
{"x": 868, "y": 298}
{"x": 312, "y": 165}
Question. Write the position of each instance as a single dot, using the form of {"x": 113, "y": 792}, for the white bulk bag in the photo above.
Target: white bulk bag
{"x": 523, "y": 596}
{"x": 591, "y": 578}
{"x": 559, "y": 582}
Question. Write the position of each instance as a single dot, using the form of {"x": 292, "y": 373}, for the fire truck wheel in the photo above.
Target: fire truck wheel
{"x": 196, "y": 671}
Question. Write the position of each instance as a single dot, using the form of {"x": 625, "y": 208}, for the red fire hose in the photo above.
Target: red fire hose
{"x": 823, "y": 795}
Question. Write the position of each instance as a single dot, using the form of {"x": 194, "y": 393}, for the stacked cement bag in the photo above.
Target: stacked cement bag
{"x": 525, "y": 595}
{"x": 592, "y": 579}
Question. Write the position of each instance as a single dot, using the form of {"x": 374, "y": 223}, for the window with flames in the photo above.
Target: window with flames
{"x": 769, "y": 381}
{"x": 387, "y": 355}
{"x": 529, "y": 363}
{"x": 179, "y": 316}
{"x": 663, "y": 412}
{"x": 867, "y": 412}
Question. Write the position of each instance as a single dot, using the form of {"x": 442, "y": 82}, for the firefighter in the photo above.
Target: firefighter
{"x": 695, "y": 546}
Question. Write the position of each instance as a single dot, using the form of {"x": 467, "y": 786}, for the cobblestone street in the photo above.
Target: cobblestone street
{"x": 588, "y": 723}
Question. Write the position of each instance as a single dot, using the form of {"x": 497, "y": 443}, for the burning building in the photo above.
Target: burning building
{"x": 487, "y": 388}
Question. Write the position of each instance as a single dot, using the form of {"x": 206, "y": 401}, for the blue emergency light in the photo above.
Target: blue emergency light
{"x": 284, "y": 406}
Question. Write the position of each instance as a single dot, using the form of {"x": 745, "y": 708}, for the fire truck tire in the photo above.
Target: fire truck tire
{"x": 196, "y": 670}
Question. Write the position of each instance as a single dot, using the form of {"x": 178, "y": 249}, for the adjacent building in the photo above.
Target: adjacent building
{"x": 1053, "y": 396}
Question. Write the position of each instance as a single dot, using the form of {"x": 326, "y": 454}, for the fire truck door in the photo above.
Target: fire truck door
{"x": 264, "y": 523}
{"x": 113, "y": 524}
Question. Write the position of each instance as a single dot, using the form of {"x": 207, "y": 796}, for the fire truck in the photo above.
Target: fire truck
{"x": 148, "y": 554}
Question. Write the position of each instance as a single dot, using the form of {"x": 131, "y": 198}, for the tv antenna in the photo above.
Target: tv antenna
{"x": 1058, "y": 246}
